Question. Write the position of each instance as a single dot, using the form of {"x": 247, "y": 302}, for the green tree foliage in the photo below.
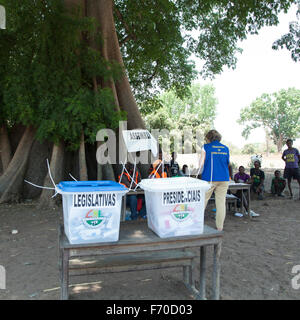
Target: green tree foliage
{"x": 47, "y": 79}
{"x": 291, "y": 40}
{"x": 158, "y": 37}
{"x": 279, "y": 112}
{"x": 49, "y": 63}
{"x": 251, "y": 148}
{"x": 196, "y": 111}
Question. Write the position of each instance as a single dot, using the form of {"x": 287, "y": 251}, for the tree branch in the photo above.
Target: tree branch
{"x": 150, "y": 78}
{"x": 130, "y": 35}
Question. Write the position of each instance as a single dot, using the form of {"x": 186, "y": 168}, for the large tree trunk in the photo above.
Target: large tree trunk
{"x": 102, "y": 11}
{"x": 36, "y": 169}
{"x": 11, "y": 182}
{"x": 5, "y": 149}
{"x": 57, "y": 173}
{"x": 268, "y": 140}
{"x": 279, "y": 143}
{"x": 83, "y": 174}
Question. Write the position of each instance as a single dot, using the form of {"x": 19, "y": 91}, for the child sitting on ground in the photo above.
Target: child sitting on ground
{"x": 278, "y": 184}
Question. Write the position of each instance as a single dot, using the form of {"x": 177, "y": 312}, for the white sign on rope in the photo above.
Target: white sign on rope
{"x": 139, "y": 140}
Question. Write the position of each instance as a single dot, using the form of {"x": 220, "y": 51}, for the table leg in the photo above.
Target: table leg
{"x": 186, "y": 275}
{"x": 123, "y": 209}
{"x": 249, "y": 215}
{"x": 192, "y": 272}
{"x": 60, "y": 264}
{"x": 64, "y": 292}
{"x": 60, "y": 252}
{"x": 242, "y": 204}
{"x": 216, "y": 271}
{"x": 202, "y": 289}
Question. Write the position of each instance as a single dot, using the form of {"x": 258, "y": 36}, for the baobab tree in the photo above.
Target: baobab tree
{"x": 72, "y": 67}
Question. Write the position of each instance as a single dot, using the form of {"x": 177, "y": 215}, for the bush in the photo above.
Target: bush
{"x": 251, "y": 148}
{"x": 248, "y": 149}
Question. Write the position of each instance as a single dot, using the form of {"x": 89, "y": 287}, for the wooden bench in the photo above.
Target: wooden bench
{"x": 231, "y": 201}
{"x": 131, "y": 262}
{"x": 129, "y": 255}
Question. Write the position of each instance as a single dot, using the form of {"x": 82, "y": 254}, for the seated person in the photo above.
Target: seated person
{"x": 257, "y": 180}
{"x": 174, "y": 166}
{"x": 157, "y": 170}
{"x": 185, "y": 171}
{"x": 242, "y": 177}
{"x": 278, "y": 184}
{"x": 132, "y": 200}
{"x": 166, "y": 166}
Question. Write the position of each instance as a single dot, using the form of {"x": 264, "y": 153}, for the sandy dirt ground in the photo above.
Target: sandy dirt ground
{"x": 256, "y": 260}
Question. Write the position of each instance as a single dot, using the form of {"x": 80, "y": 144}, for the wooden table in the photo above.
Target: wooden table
{"x": 136, "y": 239}
{"x": 242, "y": 186}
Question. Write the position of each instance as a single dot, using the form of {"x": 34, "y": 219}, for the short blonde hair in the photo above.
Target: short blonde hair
{"x": 213, "y": 135}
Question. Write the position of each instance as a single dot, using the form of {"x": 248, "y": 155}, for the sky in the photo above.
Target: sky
{"x": 260, "y": 69}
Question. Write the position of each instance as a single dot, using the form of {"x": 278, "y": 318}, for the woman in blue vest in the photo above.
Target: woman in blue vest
{"x": 214, "y": 164}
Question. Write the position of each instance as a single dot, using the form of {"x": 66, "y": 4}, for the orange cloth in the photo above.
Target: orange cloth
{"x": 129, "y": 179}
{"x": 157, "y": 175}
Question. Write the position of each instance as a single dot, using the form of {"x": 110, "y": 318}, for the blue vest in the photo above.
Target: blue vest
{"x": 216, "y": 162}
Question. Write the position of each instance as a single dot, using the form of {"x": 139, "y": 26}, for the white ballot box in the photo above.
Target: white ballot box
{"x": 175, "y": 206}
{"x": 91, "y": 210}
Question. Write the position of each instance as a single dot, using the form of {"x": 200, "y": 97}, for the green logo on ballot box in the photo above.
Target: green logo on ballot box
{"x": 94, "y": 218}
{"x": 181, "y": 213}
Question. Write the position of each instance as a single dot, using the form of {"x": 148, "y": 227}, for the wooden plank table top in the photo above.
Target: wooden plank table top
{"x": 239, "y": 186}
{"x": 135, "y": 234}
